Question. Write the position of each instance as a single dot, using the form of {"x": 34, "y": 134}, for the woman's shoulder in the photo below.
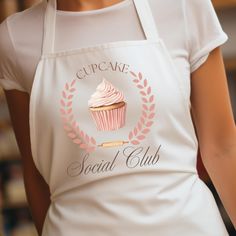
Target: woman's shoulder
{"x": 172, "y": 9}
{"x": 22, "y": 21}
{"x": 18, "y": 34}
{"x": 22, "y": 27}
{"x": 190, "y": 27}
{"x": 30, "y": 13}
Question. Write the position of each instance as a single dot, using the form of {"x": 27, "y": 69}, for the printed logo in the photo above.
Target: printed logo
{"x": 108, "y": 108}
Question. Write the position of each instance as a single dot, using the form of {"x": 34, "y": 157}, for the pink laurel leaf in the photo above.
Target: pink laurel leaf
{"x": 145, "y": 107}
{"x": 142, "y": 120}
{"x": 70, "y": 96}
{"x": 87, "y": 138}
{"x": 139, "y": 125}
{"x": 145, "y": 100}
{"x": 63, "y": 94}
{"x": 151, "y": 98}
{"x": 62, "y": 102}
{"x": 132, "y": 73}
{"x": 135, "y": 142}
{"x": 82, "y": 133}
{"x": 151, "y": 115}
{"x": 83, "y": 145}
{"x": 69, "y": 104}
{"x": 67, "y": 128}
{"x": 149, "y": 123}
{"x": 74, "y": 124}
{"x": 141, "y": 137}
{"x": 72, "y": 90}
{"x": 136, "y": 81}
{"x": 130, "y": 135}
{"x": 140, "y": 86}
{"x": 87, "y": 150}
{"x": 135, "y": 131}
{"x": 140, "y": 76}
{"x": 63, "y": 111}
{"x": 144, "y": 114}
{"x": 67, "y": 86}
{"x": 93, "y": 141}
{"x": 149, "y": 90}
{"x": 145, "y": 131}
{"x": 69, "y": 111}
{"x": 77, "y": 141}
{"x": 143, "y": 93}
{"x": 71, "y": 135}
{"x": 145, "y": 82}
{"x": 72, "y": 83}
{"x": 152, "y": 107}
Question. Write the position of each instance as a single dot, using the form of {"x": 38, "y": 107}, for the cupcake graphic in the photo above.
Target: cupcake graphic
{"x": 107, "y": 107}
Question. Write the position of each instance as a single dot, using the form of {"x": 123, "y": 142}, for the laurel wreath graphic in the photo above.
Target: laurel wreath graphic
{"x": 145, "y": 122}
{"x": 135, "y": 136}
{"x": 71, "y": 126}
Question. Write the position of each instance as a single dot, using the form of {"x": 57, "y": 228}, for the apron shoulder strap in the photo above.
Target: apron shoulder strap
{"x": 49, "y": 27}
{"x": 143, "y": 11}
{"x": 146, "y": 19}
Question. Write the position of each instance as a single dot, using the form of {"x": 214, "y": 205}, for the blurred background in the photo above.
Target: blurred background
{"x": 15, "y": 219}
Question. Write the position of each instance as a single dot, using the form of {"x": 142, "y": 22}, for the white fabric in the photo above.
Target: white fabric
{"x": 138, "y": 178}
{"x": 189, "y": 28}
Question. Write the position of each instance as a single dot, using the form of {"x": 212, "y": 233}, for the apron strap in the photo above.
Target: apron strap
{"x": 146, "y": 19}
{"x": 142, "y": 7}
{"x": 49, "y": 27}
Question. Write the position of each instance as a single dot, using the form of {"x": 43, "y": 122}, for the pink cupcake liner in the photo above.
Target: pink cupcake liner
{"x": 112, "y": 119}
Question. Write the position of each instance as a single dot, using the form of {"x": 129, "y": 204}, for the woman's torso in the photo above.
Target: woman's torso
{"x": 144, "y": 188}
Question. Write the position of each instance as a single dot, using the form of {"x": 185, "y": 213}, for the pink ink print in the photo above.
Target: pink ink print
{"x": 107, "y": 107}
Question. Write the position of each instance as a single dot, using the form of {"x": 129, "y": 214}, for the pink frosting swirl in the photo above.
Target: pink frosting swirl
{"x": 105, "y": 94}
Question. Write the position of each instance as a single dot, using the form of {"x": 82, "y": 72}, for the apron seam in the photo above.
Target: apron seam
{"x": 100, "y": 47}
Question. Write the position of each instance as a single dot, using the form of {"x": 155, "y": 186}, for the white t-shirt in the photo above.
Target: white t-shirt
{"x": 189, "y": 28}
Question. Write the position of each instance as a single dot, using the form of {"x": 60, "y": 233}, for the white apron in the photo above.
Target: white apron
{"x": 111, "y": 133}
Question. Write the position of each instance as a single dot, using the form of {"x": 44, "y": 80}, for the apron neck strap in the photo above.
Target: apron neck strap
{"x": 146, "y": 18}
{"x": 142, "y": 7}
{"x": 49, "y": 27}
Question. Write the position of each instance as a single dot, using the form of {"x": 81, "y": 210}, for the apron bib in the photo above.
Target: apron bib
{"x": 112, "y": 135}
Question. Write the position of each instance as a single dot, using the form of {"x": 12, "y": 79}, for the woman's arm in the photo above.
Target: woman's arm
{"x": 37, "y": 190}
{"x": 213, "y": 117}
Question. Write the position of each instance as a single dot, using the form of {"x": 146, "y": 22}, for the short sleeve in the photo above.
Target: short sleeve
{"x": 9, "y": 70}
{"x": 204, "y": 31}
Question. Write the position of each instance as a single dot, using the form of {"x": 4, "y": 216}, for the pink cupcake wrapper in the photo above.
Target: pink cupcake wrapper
{"x": 109, "y": 119}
